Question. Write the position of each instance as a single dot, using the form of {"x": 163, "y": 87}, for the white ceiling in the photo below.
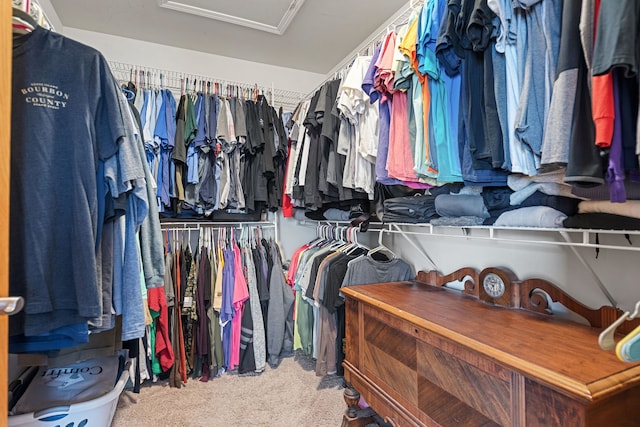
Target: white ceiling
{"x": 310, "y": 35}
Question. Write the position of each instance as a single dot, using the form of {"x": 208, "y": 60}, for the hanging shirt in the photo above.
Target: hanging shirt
{"x": 259, "y": 339}
{"x": 369, "y": 87}
{"x": 166, "y": 148}
{"x": 519, "y": 63}
{"x": 160, "y": 137}
{"x": 384, "y": 76}
{"x": 151, "y": 247}
{"x": 227, "y": 312}
{"x": 280, "y": 317}
{"x": 418, "y": 92}
{"x": 398, "y": 145}
{"x": 442, "y": 88}
{"x": 194, "y": 164}
{"x": 217, "y": 295}
{"x": 240, "y": 295}
{"x": 163, "y": 349}
{"x": 179, "y": 154}
{"x": 297, "y": 142}
{"x": 131, "y": 177}
{"x": 354, "y": 104}
{"x": 193, "y": 111}
{"x": 58, "y": 117}
{"x": 533, "y": 103}
{"x": 365, "y": 270}
{"x": 148, "y": 123}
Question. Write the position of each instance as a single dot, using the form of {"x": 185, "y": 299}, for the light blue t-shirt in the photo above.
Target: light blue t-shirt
{"x": 442, "y": 88}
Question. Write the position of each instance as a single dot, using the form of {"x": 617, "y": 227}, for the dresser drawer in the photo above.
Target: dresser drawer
{"x": 422, "y": 355}
{"x": 445, "y": 388}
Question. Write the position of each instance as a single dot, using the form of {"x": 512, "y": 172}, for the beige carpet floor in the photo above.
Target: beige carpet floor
{"x": 290, "y": 395}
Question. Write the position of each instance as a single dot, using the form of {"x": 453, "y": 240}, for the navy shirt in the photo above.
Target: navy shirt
{"x": 65, "y": 118}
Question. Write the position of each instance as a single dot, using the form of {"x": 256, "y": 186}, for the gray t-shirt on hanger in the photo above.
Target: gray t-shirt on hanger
{"x": 365, "y": 270}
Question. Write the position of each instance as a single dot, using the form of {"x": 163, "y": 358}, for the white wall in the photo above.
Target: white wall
{"x": 618, "y": 270}
{"x": 169, "y": 58}
{"x": 293, "y": 234}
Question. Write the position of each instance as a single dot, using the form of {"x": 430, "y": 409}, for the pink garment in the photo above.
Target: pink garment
{"x": 240, "y": 295}
{"x": 384, "y": 77}
{"x": 293, "y": 266}
{"x": 400, "y": 158}
{"x": 291, "y": 274}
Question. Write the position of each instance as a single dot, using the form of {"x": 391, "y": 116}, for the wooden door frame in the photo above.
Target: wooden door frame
{"x": 6, "y": 44}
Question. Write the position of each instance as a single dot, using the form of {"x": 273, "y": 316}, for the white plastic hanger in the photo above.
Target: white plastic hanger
{"x": 382, "y": 248}
{"x": 606, "y": 340}
{"x": 353, "y": 238}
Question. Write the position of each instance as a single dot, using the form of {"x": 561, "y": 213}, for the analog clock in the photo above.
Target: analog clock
{"x": 493, "y": 285}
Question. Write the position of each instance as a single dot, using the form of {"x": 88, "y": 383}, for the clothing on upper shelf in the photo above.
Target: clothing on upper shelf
{"x": 476, "y": 92}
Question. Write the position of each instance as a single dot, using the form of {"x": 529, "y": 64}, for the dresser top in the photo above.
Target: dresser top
{"x": 563, "y": 354}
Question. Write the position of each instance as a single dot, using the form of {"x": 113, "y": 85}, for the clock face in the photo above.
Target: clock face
{"x": 493, "y": 285}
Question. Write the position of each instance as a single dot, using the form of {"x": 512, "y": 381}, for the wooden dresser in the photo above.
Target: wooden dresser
{"x": 422, "y": 354}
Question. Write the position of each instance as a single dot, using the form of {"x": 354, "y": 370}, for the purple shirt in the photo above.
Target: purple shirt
{"x": 615, "y": 171}
{"x": 384, "y": 123}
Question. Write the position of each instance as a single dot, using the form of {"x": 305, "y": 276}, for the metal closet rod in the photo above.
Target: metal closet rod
{"x": 564, "y": 233}
{"x": 411, "y": 232}
{"x": 373, "y": 226}
{"x": 170, "y": 79}
{"x": 213, "y": 224}
{"x": 172, "y": 226}
{"x": 490, "y": 232}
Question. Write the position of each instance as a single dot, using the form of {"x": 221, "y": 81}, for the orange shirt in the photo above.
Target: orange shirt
{"x": 408, "y": 48}
{"x": 602, "y": 107}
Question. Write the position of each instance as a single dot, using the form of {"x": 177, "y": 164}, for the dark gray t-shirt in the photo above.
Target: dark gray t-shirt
{"x": 65, "y": 116}
{"x": 365, "y": 270}
{"x": 617, "y": 37}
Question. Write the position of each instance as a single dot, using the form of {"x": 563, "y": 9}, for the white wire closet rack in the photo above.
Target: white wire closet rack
{"x": 572, "y": 238}
{"x": 217, "y": 226}
{"x": 180, "y": 82}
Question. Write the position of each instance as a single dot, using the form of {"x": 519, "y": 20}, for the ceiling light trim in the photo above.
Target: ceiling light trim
{"x": 282, "y": 26}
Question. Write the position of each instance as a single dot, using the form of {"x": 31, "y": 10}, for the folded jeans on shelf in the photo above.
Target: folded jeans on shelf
{"x": 411, "y": 209}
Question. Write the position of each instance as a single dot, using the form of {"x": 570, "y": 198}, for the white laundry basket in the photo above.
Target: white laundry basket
{"x": 92, "y": 413}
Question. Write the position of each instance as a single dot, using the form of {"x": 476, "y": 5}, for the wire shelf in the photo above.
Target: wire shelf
{"x": 179, "y": 82}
